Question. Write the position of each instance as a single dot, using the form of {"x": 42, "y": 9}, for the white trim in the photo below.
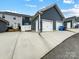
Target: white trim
{"x": 39, "y": 22}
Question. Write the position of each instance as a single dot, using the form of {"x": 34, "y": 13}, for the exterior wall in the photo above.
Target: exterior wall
{"x": 34, "y": 24}
{"x": 72, "y": 20}
{"x": 51, "y": 14}
{"x": 1, "y": 15}
{"x": 13, "y": 22}
{"x": 33, "y": 27}
{"x": 75, "y": 23}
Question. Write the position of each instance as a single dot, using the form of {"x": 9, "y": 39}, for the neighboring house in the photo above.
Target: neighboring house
{"x": 47, "y": 19}
{"x": 16, "y": 19}
{"x": 3, "y": 25}
{"x": 71, "y": 22}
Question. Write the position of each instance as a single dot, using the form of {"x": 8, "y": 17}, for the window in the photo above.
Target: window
{"x": 3, "y": 16}
{"x": 25, "y": 21}
{"x": 14, "y": 18}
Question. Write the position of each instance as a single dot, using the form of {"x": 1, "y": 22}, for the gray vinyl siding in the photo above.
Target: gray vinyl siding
{"x": 54, "y": 25}
{"x": 51, "y": 14}
{"x": 33, "y": 23}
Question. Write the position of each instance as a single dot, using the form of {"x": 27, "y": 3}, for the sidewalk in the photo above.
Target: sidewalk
{"x": 74, "y": 30}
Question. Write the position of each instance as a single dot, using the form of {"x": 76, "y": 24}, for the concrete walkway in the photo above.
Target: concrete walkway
{"x": 29, "y": 45}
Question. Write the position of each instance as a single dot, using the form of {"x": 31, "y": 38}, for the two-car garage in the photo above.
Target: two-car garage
{"x": 49, "y": 25}
{"x": 48, "y": 19}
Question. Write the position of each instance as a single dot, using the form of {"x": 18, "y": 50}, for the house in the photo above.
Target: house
{"x": 71, "y": 22}
{"x": 3, "y": 25}
{"x": 16, "y": 20}
{"x": 47, "y": 19}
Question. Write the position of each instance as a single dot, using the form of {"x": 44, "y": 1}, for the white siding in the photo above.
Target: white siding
{"x": 58, "y": 23}
{"x": 1, "y": 15}
{"x": 13, "y": 22}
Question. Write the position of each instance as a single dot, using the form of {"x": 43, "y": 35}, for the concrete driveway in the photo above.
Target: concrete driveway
{"x": 7, "y": 43}
{"x": 29, "y": 45}
{"x": 69, "y": 49}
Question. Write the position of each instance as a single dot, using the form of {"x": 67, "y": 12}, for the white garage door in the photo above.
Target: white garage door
{"x": 68, "y": 24}
{"x": 58, "y": 24}
{"x": 47, "y": 25}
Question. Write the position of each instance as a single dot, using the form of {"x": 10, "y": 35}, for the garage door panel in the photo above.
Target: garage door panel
{"x": 68, "y": 25}
{"x": 47, "y": 25}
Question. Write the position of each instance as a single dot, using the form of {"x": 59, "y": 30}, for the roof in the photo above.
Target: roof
{"x": 77, "y": 19}
{"x": 3, "y": 20}
{"x": 70, "y": 18}
{"x": 15, "y": 14}
{"x": 48, "y": 7}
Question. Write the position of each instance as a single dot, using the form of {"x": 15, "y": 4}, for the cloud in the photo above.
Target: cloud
{"x": 10, "y": 11}
{"x": 13, "y": 11}
{"x": 68, "y": 1}
{"x": 76, "y": 6}
{"x": 31, "y": 5}
{"x": 71, "y": 12}
{"x": 41, "y": 0}
{"x": 37, "y": 0}
{"x": 27, "y": 0}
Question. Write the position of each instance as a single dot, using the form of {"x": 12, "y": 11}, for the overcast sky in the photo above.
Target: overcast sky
{"x": 30, "y": 7}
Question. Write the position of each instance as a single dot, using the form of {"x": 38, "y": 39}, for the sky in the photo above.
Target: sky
{"x": 30, "y": 7}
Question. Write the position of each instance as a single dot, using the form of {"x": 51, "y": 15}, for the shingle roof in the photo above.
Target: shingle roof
{"x": 15, "y": 14}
